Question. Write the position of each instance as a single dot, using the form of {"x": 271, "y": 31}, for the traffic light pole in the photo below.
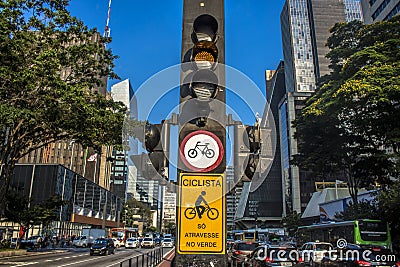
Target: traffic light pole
{"x": 201, "y": 207}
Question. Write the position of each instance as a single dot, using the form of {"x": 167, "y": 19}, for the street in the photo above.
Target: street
{"x": 80, "y": 257}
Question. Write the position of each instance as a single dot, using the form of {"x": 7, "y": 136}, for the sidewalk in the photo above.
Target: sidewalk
{"x": 24, "y": 252}
{"x": 168, "y": 258}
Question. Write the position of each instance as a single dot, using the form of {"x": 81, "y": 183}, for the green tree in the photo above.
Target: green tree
{"x": 150, "y": 229}
{"x": 388, "y": 199}
{"x": 49, "y": 64}
{"x": 292, "y": 222}
{"x": 19, "y": 210}
{"x": 355, "y": 112}
{"x": 135, "y": 209}
{"x": 169, "y": 227}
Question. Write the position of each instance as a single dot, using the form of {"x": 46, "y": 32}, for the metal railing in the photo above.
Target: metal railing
{"x": 149, "y": 259}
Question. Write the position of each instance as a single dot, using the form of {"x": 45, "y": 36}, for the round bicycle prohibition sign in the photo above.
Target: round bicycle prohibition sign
{"x": 201, "y": 151}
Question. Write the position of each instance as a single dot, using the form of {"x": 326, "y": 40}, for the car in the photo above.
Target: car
{"x": 102, "y": 246}
{"x": 80, "y": 241}
{"x": 31, "y": 242}
{"x": 238, "y": 253}
{"x": 353, "y": 255}
{"x": 167, "y": 236}
{"x": 132, "y": 242}
{"x": 167, "y": 243}
{"x": 14, "y": 242}
{"x": 313, "y": 252}
{"x": 275, "y": 255}
{"x": 157, "y": 241}
{"x": 148, "y": 242}
{"x": 118, "y": 243}
{"x": 229, "y": 243}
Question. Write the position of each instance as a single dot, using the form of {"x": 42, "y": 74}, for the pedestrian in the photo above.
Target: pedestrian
{"x": 62, "y": 241}
{"x": 38, "y": 242}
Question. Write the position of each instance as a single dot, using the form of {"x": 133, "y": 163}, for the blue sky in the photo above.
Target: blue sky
{"x": 146, "y": 35}
{"x": 147, "y": 38}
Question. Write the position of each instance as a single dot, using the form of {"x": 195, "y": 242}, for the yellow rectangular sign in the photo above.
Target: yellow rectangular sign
{"x": 201, "y": 214}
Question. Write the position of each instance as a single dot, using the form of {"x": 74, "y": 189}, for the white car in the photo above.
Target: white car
{"x": 80, "y": 241}
{"x": 118, "y": 243}
{"x": 132, "y": 243}
{"x": 167, "y": 243}
{"x": 148, "y": 242}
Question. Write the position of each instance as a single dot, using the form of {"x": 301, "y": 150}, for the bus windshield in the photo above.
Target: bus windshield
{"x": 373, "y": 231}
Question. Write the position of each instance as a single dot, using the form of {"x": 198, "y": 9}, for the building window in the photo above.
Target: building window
{"x": 394, "y": 11}
{"x": 380, "y": 9}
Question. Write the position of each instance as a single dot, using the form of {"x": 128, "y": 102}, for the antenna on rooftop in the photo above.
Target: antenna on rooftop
{"x": 107, "y": 31}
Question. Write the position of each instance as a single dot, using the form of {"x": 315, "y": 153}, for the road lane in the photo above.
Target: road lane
{"x": 73, "y": 257}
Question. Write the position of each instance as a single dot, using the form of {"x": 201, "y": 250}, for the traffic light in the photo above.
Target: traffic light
{"x": 154, "y": 164}
{"x": 200, "y": 70}
{"x": 204, "y": 56}
{"x": 202, "y": 111}
{"x": 247, "y": 148}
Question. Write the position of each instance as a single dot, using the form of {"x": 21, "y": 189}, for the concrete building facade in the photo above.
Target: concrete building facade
{"x": 379, "y": 10}
{"x": 305, "y": 28}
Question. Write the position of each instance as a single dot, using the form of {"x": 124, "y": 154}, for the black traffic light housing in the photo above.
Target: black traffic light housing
{"x": 247, "y": 148}
{"x": 204, "y": 82}
{"x": 154, "y": 164}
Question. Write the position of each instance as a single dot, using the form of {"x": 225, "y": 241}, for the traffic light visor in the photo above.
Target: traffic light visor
{"x": 204, "y": 84}
{"x": 205, "y": 28}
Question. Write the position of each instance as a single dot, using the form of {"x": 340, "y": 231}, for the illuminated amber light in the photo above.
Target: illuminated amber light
{"x": 204, "y": 56}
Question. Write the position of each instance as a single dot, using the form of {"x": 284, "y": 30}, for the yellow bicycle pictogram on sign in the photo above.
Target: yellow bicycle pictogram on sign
{"x": 199, "y": 210}
{"x": 201, "y": 214}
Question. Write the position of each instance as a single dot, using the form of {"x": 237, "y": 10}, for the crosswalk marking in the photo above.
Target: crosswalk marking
{"x": 25, "y": 264}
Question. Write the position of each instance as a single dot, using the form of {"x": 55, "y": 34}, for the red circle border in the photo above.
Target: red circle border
{"x": 212, "y": 135}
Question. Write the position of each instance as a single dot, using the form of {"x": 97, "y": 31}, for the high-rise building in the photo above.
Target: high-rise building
{"x": 305, "y": 28}
{"x": 232, "y": 199}
{"x": 379, "y": 10}
{"x": 264, "y": 204}
{"x": 168, "y": 208}
{"x": 122, "y": 92}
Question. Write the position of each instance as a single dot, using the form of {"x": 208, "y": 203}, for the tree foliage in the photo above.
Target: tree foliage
{"x": 291, "y": 222}
{"x": 351, "y": 125}
{"x": 20, "y": 210}
{"x": 360, "y": 210}
{"x": 169, "y": 227}
{"x": 134, "y": 209}
{"x": 388, "y": 201}
{"x": 50, "y": 63}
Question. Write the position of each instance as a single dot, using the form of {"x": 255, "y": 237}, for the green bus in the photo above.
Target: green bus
{"x": 366, "y": 232}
